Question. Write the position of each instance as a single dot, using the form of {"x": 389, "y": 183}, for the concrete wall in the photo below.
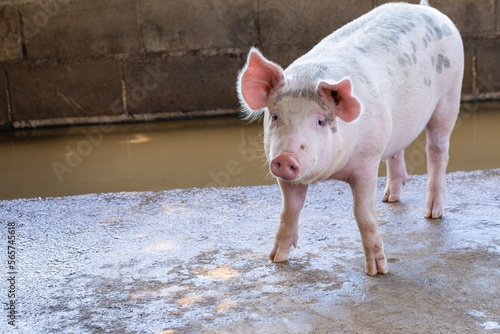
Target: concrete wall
{"x": 91, "y": 61}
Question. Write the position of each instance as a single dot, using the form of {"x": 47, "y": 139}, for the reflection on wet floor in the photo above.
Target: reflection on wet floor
{"x": 190, "y": 153}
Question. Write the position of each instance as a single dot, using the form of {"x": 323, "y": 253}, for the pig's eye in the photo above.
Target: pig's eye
{"x": 274, "y": 117}
{"x": 321, "y": 122}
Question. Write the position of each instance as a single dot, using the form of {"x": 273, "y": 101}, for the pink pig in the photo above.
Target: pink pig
{"x": 359, "y": 97}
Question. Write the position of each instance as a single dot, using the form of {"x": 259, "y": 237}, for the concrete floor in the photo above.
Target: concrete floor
{"x": 196, "y": 261}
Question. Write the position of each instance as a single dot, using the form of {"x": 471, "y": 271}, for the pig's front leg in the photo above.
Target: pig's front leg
{"x": 288, "y": 229}
{"x": 364, "y": 190}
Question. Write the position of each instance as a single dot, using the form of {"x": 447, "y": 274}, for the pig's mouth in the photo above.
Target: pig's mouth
{"x": 287, "y": 167}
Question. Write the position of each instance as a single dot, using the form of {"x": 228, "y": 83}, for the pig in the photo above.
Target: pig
{"x": 358, "y": 98}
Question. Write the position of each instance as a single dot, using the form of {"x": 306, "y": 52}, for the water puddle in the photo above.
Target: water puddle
{"x": 189, "y": 153}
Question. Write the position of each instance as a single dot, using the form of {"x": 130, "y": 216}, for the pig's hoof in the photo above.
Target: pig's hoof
{"x": 393, "y": 191}
{"x": 280, "y": 253}
{"x": 377, "y": 266}
{"x": 434, "y": 206}
{"x": 434, "y": 212}
{"x": 286, "y": 237}
{"x": 279, "y": 257}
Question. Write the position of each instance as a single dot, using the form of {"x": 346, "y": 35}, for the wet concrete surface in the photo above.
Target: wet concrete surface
{"x": 196, "y": 261}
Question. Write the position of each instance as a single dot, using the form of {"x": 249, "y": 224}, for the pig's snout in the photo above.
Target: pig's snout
{"x": 285, "y": 166}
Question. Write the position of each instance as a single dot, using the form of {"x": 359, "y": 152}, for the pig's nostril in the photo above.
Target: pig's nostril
{"x": 285, "y": 166}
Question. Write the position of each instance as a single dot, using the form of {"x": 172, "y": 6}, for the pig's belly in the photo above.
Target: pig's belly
{"x": 396, "y": 145}
{"x": 413, "y": 106}
{"x": 406, "y": 129}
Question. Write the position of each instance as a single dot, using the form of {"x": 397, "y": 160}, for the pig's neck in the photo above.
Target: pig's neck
{"x": 344, "y": 151}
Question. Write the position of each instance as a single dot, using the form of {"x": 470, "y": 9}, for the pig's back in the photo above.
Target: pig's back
{"x": 402, "y": 59}
{"x": 392, "y": 43}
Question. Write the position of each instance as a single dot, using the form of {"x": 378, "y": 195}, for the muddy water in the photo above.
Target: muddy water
{"x": 192, "y": 153}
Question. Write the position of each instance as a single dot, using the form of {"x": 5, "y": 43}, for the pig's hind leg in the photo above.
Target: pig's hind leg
{"x": 396, "y": 177}
{"x": 438, "y": 131}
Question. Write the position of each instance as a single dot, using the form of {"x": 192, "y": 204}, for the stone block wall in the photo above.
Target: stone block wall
{"x": 68, "y": 62}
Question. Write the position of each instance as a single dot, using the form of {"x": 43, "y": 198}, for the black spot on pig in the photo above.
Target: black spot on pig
{"x": 446, "y": 62}
{"x": 439, "y": 67}
{"x": 429, "y": 33}
{"x": 442, "y": 62}
{"x": 308, "y": 72}
{"x": 439, "y": 33}
{"x": 407, "y": 58}
{"x": 428, "y": 19}
{"x": 394, "y": 38}
{"x": 386, "y": 47}
{"x": 406, "y": 28}
{"x": 446, "y": 30}
{"x": 329, "y": 117}
{"x": 401, "y": 61}
{"x": 301, "y": 93}
{"x": 362, "y": 50}
{"x": 433, "y": 28}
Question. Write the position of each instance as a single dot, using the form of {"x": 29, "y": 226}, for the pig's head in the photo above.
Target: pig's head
{"x": 302, "y": 112}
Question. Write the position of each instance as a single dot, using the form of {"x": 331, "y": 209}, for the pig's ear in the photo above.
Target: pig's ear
{"x": 338, "y": 96}
{"x": 257, "y": 79}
